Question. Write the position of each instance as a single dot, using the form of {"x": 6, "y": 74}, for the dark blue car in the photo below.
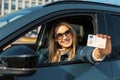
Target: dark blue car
{"x": 30, "y": 29}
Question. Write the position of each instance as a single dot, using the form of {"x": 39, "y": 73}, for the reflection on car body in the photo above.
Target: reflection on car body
{"x": 86, "y": 18}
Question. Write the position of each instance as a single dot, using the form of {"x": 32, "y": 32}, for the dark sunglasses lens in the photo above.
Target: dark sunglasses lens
{"x": 68, "y": 33}
{"x": 58, "y": 36}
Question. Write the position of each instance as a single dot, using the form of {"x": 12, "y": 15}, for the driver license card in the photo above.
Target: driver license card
{"x": 94, "y": 41}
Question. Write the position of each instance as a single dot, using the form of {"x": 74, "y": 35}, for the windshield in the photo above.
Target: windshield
{"x": 13, "y": 16}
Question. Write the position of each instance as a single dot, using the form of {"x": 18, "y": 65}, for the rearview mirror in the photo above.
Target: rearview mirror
{"x": 18, "y": 61}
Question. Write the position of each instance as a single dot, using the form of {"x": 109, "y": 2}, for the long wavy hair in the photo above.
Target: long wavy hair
{"x": 54, "y": 46}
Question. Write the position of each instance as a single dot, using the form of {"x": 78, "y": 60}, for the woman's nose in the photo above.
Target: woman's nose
{"x": 64, "y": 36}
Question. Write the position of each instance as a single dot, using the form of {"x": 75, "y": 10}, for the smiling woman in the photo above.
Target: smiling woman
{"x": 63, "y": 41}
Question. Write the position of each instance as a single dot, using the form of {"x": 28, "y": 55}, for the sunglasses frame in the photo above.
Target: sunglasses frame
{"x": 69, "y": 31}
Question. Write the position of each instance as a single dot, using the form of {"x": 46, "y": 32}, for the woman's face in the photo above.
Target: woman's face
{"x": 64, "y": 37}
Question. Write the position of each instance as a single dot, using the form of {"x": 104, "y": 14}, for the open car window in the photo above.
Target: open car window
{"x": 83, "y": 25}
{"x": 29, "y": 39}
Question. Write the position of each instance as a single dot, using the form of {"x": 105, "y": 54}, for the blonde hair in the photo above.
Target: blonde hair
{"x": 54, "y": 46}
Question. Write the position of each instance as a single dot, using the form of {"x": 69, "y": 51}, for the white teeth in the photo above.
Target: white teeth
{"x": 67, "y": 40}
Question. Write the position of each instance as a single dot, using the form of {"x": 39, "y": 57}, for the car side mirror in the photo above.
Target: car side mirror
{"x": 18, "y": 61}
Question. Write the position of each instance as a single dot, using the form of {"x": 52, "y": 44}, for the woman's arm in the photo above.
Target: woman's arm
{"x": 91, "y": 54}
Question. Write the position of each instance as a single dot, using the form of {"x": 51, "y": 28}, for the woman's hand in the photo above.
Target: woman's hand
{"x": 100, "y": 53}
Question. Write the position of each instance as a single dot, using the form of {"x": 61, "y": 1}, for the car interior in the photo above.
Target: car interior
{"x": 83, "y": 25}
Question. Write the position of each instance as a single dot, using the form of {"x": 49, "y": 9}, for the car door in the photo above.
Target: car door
{"x": 63, "y": 70}
{"x": 113, "y": 21}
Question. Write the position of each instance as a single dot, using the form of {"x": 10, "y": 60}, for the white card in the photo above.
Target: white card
{"x": 94, "y": 41}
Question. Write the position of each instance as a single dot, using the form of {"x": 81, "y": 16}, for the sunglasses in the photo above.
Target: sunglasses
{"x": 67, "y": 33}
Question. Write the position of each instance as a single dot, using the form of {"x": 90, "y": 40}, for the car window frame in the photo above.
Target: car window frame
{"x": 87, "y": 13}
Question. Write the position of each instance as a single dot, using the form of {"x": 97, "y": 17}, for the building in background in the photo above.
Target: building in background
{"x": 9, "y": 6}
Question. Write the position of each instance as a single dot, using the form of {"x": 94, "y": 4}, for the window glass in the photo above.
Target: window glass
{"x": 33, "y": 4}
{"x": 19, "y": 5}
{"x": 114, "y": 30}
{"x": 2, "y": 23}
{"x": 26, "y": 4}
{"x": 13, "y": 4}
{"x": 29, "y": 39}
{"x": 13, "y": 16}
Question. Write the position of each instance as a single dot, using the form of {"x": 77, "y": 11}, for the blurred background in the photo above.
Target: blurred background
{"x": 9, "y": 6}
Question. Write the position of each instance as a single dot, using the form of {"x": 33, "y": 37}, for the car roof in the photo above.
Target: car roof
{"x": 94, "y": 5}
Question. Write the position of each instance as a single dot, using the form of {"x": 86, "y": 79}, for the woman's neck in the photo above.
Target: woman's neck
{"x": 64, "y": 50}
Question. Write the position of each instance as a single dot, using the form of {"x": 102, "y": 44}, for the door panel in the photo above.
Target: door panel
{"x": 116, "y": 69}
{"x": 84, "y": 71}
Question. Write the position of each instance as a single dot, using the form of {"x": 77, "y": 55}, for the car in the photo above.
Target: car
{"x": 85, "y": 17}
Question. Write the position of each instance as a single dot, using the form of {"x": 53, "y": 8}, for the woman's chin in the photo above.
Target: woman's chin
{"x": 67, "y": 45}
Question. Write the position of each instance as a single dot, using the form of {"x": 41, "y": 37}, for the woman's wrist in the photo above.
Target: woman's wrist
{"x": 97, "y": 56}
